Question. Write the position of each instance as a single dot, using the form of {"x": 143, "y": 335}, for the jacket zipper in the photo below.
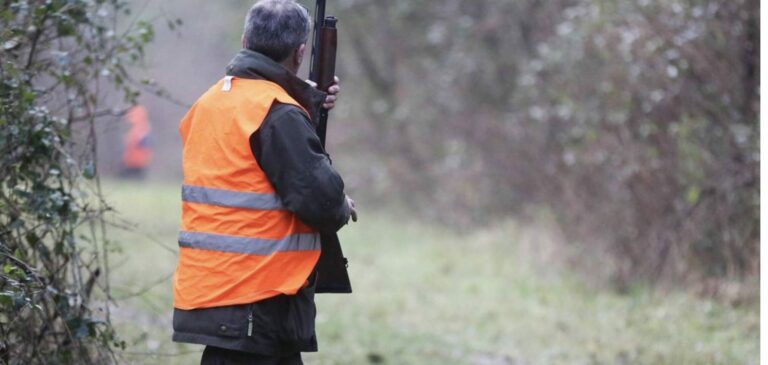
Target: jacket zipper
{"x": 250, "y": 324}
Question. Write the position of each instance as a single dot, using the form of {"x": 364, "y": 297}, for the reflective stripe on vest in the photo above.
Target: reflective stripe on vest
{"x": 249, "y": 246}
{"x": 237, "y": 244}
{"x": 231, "y": 199}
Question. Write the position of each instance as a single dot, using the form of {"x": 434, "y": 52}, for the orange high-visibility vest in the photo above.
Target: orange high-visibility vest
{"x": 238, "y": 244}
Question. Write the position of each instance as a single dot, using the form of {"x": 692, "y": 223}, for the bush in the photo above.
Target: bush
{"x": 57, "y": 61}
{"x": 635, "y": 122}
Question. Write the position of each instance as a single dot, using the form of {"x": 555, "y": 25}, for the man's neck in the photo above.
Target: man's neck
{"x": 290, "y": 66}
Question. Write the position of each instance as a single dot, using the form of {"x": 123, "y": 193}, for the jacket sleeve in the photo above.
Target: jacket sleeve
{"x": 291, "y": 155}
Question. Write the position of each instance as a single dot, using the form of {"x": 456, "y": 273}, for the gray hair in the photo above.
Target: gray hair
{"x": 275, "y": 28}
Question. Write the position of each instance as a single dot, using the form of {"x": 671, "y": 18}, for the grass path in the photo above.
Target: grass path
{"x": 425, "y": 296}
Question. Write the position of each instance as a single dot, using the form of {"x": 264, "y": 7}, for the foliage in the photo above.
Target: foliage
{"x": 635, "y": 121}
{"x": 57, "y": 61}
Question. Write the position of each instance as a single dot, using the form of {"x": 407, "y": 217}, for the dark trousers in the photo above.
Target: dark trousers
{"x": 218, "y": 356}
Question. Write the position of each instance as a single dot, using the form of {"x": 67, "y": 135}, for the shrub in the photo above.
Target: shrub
{"x": 58, "y": 59}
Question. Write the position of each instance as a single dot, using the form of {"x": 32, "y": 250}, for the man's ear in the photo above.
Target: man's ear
{"x": 242, "y": 40}
{"x": 300, "y": 54}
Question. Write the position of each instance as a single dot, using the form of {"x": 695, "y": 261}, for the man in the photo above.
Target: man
{"x": 258, "y": 190}
{"x": 137, "y": 153}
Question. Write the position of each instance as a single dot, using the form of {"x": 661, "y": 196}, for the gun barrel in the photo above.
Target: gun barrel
{"x": 319, "y": 22}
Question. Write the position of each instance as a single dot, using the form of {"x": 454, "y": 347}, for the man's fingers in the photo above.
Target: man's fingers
{"x": 330, "y": 102}
{"x": 333, "y": 91}
{"x": 335, "y": 88}
{"x": 351, "y": 204}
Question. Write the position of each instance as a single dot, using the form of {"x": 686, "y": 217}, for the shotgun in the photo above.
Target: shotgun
{"x": 332, "y": 275}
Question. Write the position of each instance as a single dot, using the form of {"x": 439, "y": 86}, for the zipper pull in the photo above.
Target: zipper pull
{"x": 250, "y": 324}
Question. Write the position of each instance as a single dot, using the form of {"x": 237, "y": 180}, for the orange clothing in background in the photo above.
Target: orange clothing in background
{"x": 137, "y": 153}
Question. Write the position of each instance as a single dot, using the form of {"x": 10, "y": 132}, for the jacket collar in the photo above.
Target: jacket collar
{"x": 248, "y": 64}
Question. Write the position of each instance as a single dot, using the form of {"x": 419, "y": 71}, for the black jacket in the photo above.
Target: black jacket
{"x": 290, "y": 153}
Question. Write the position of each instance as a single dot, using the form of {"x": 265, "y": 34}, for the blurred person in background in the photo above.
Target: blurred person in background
{"x": 258, "y": 190}
{"x": 137, "y": 151}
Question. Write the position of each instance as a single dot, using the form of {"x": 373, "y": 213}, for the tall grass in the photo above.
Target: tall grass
{"x": 424, "y": 295}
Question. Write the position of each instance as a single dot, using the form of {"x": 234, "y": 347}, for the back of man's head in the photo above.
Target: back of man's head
{"x": 275, "y": 28}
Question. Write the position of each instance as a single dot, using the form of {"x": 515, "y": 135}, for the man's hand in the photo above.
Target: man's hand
{"x": 333, "y": 93}
{"x": 352, "y": 208}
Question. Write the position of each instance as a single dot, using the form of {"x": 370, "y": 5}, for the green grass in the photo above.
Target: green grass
{"x": 426, "y": 296}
